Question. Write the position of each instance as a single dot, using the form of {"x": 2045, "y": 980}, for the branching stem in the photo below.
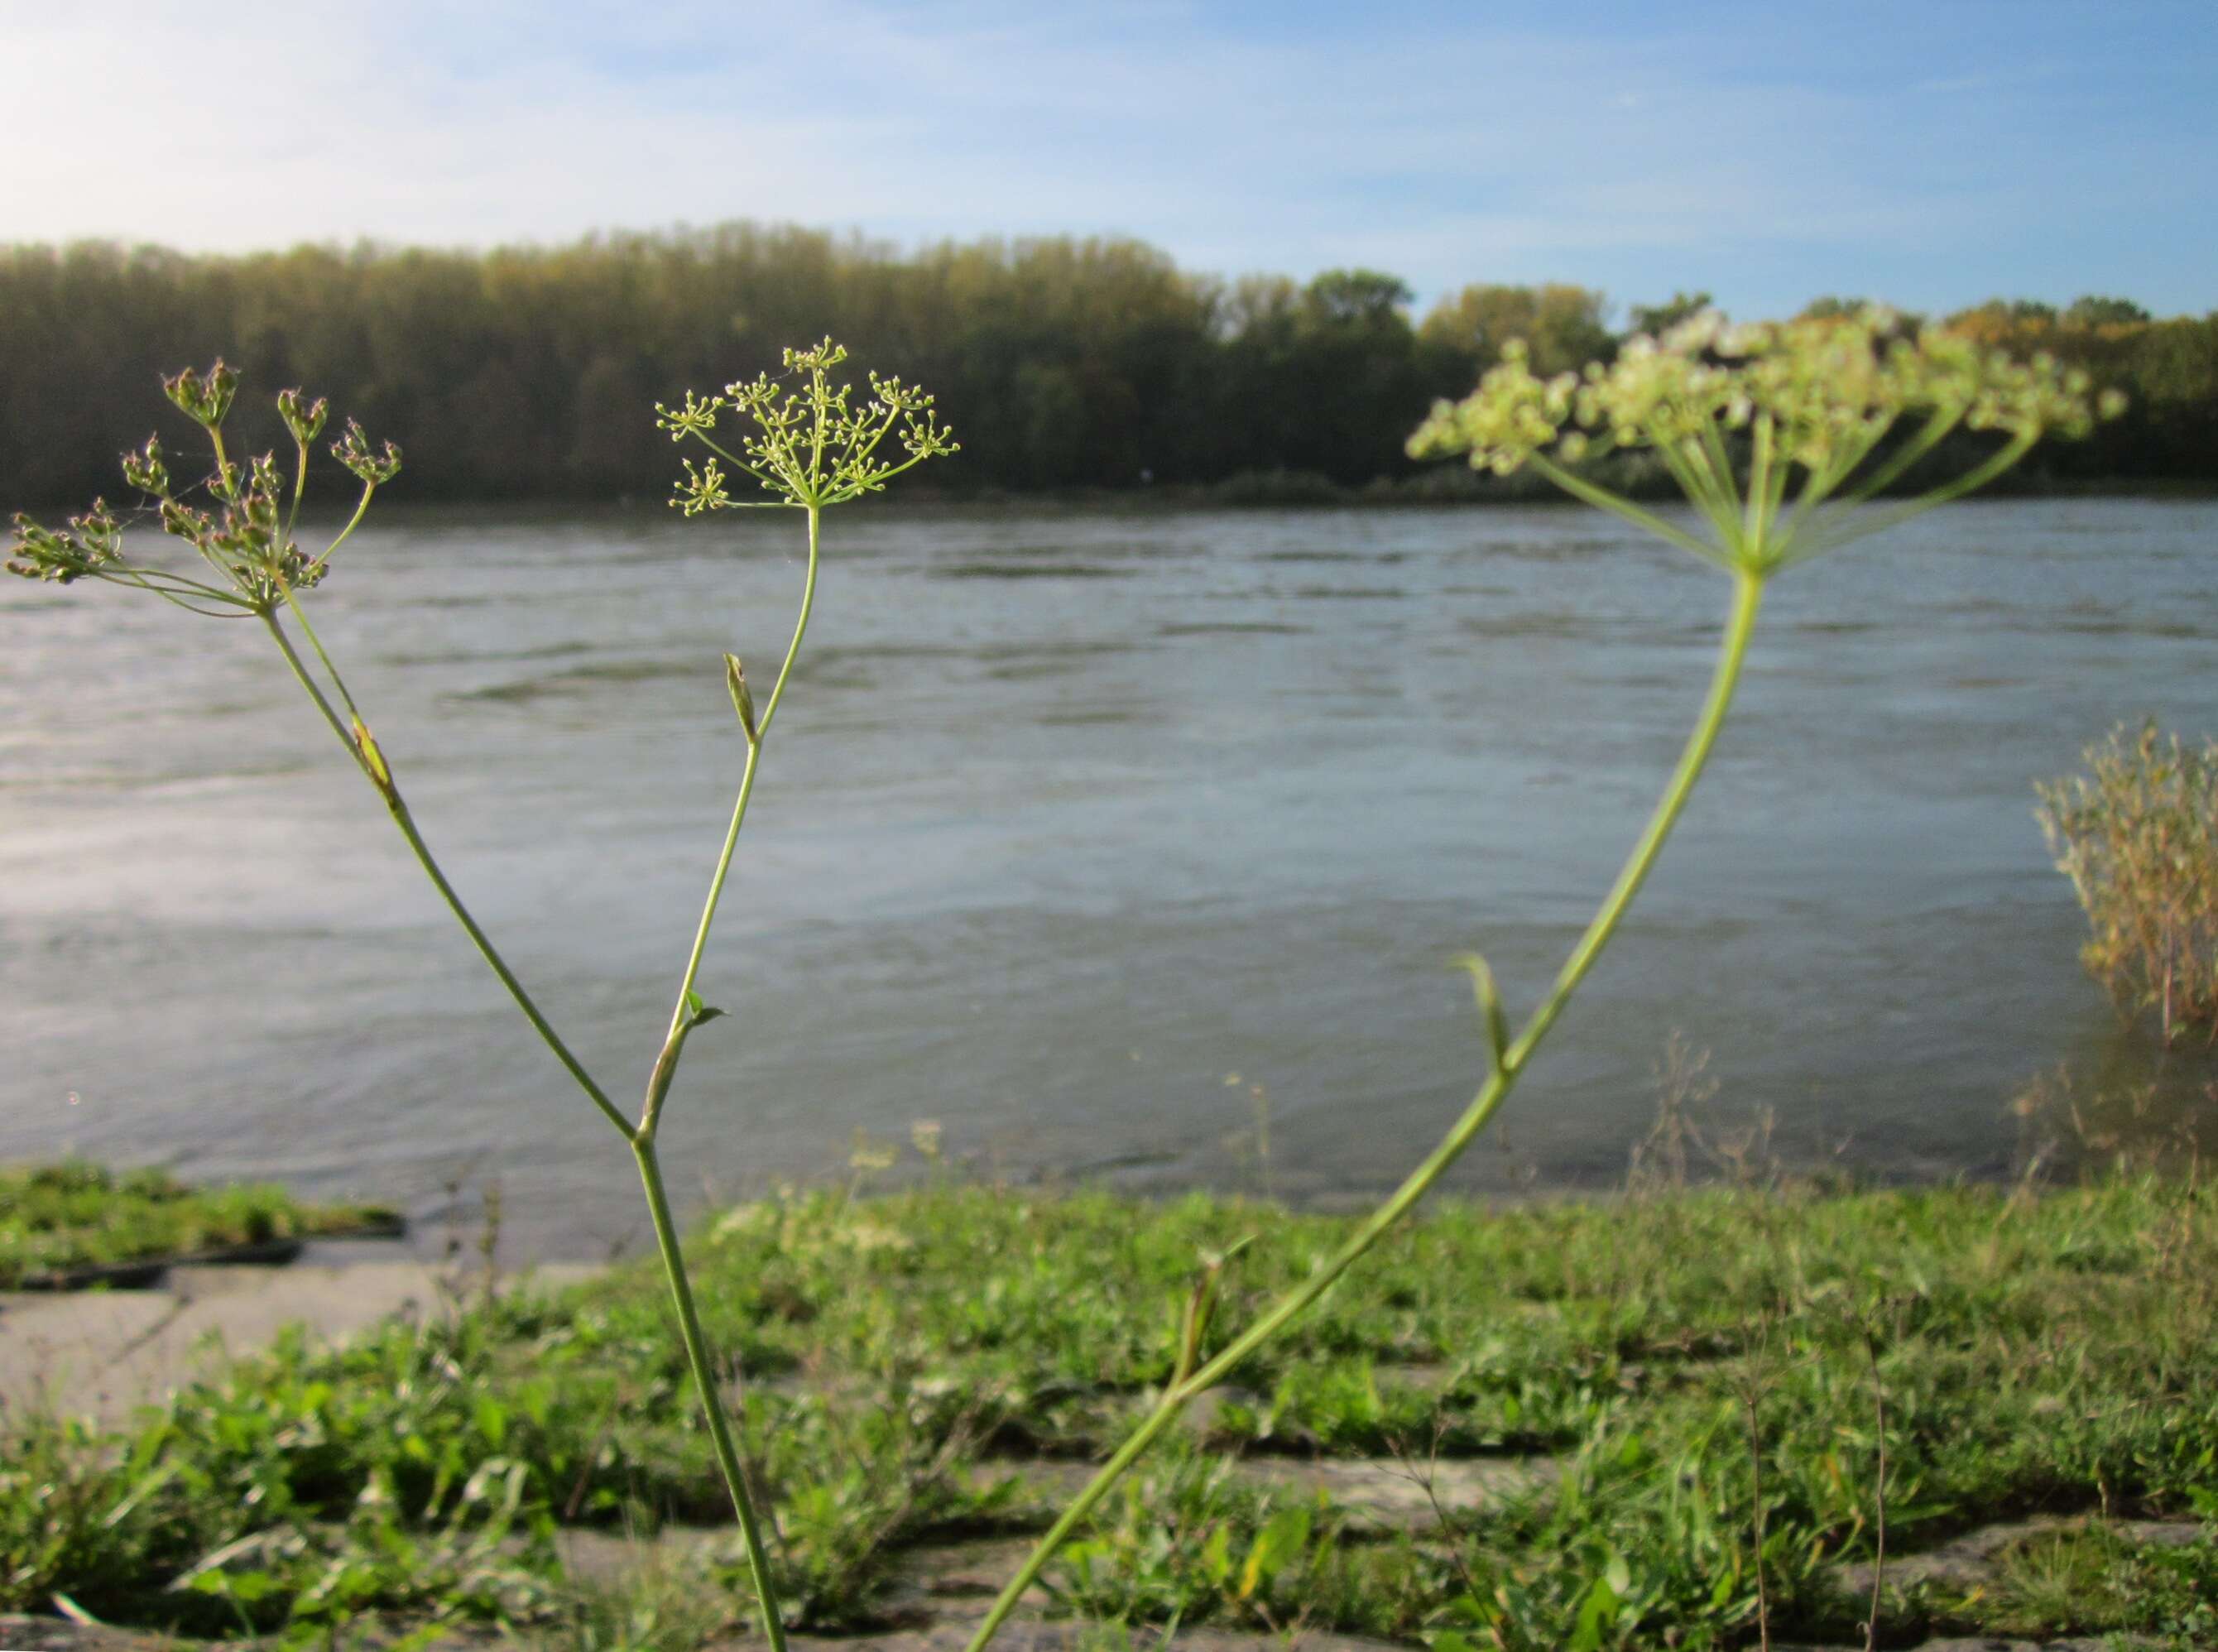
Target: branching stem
{"x": 398, "y": 807}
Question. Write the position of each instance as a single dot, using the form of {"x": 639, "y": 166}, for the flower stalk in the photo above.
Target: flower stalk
{"x": 1816, "y": 397}
{"x": 805, "y": 441}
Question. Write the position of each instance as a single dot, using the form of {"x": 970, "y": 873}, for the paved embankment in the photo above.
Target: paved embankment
{"x": 103, "y": 1353}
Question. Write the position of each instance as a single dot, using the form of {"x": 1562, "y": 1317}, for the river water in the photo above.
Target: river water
{"x": 1069, "y": 819}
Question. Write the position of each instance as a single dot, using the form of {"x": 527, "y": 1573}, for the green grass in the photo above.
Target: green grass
{"x": 2054, "y": 1353}
{"x": 57, "y": 1219}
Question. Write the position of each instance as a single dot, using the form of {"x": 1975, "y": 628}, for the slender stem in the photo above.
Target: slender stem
{"x": 1684, "y": 461}
{"x": 1938, "y": 425}
{"x": 314, "y": 690}
{"x": 1579, "y": 488}
{"x": 1721, "y": 466}
{"x": 1755, "y": 514}
{"x": 1817, "y": 486}
{"x": 361, "y": 509}
{"x": 398, "y": 807}
{"x": 300, "y": 492}
{"x": 697, "y": 1355}
{"x": 227, "y": 483}
{"x": 665, "y": 1067}
{"x": 235, "y": 608}
{"x": 1749, "y": 1398}
{"x": 498, "y": 965}
{"x": 1748, "y": 595}
{"x": 1849, "y": 526}
{"x": 658, "y": 1088}
{"x": 737, "y": 463}
{"x": 1748, "y": 598}
{"x": 300, "y": 617}
{"x": 1878, "y": 1495}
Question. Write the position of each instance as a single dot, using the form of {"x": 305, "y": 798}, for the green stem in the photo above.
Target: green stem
{"x": 487, "y": 950}
{"x": 650, "y": 1120}
{"x": 697, "y": 1355}
{"x": 1579, "y": 488}
{"x": 1748, "y": 594}
{"x": 1756, "y": 516}
{"x": 361, "y": 509}
{"x": 300, "y": 618}
{"x": 665, "y": 1067}
{"x": 300, "y": 492}
{"x": 401, "y": 817}
{"x": 1853, "y": 524}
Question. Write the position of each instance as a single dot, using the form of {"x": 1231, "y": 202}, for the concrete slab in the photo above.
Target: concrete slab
{"x": 101, "y": 1354}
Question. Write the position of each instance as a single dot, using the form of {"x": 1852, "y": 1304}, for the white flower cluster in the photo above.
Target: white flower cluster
{"x": 810, "y": 445}
{"x": 1733, "y": 411}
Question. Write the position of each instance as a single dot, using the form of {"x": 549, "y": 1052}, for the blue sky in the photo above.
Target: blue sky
{"x": 1932, "y": 155}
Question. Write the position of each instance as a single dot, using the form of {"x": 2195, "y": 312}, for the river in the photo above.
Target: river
{"x": 1069, "y": 818}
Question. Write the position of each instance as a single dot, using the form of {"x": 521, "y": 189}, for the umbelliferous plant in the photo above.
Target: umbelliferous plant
{"x": 2138, "y": 836}
{"x": 804, "y": 440}
{"x": 1784, "y": 439}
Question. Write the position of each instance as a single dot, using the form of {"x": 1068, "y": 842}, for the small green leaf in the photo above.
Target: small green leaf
{"x": 743, "y": 699}
{"x": 1489, "y": 1006}
{"x": 1597, "y": 1613}
{"x": 379, "y": 772}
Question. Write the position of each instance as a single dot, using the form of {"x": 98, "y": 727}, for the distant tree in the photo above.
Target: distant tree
{"x": 530, "y": 372}
{"x": 1357, "y": 298}
{"x": 1653, "y": 319}
{"x": 2093, "y": 311}
{"x": 1351, "y": 370}
{"x": 1830, "y": 307}
{"x": 1562, "y": 324}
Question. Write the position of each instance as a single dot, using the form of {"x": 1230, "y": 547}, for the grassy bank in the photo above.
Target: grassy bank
{"x": 1590, "y": 1411}
{"x": 69, "y": 1223}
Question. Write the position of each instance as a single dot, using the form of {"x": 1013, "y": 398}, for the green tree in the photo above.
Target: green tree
{"x": 1563, "y": 326}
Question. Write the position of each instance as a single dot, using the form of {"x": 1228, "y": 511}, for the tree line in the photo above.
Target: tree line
{"x": 531, "y": 373}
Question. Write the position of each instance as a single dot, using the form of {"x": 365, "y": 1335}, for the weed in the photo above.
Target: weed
{"x": 2138, "y": 837}
{"x": 1815, "y": 399}
{"x": 802, "y": 439}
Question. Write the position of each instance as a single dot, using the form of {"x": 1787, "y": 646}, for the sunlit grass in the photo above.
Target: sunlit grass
{"x": 59, "y": 1220}
{"x": 913, "y": 1356}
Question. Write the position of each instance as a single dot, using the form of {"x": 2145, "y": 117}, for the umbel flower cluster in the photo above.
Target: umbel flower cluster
{"x": 1815, "y": 399}
{"x": 807, "y": 444}
{"x": 246, "y": 540}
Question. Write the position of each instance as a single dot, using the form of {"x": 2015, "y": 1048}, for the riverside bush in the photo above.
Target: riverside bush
{"x": 1780, "y": 437}
{"x": 2138, "y": 836}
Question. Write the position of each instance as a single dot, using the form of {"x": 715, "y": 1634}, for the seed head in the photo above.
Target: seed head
{"x": 353, "y": 451}
{"x": 305, "y": 422}
{"x": 91, "y": 541}
{"x": 144, "y": 469}
{"x": 203, "y": 398}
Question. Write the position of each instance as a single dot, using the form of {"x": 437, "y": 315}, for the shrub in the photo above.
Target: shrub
{"x": 2138, "y": 837}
